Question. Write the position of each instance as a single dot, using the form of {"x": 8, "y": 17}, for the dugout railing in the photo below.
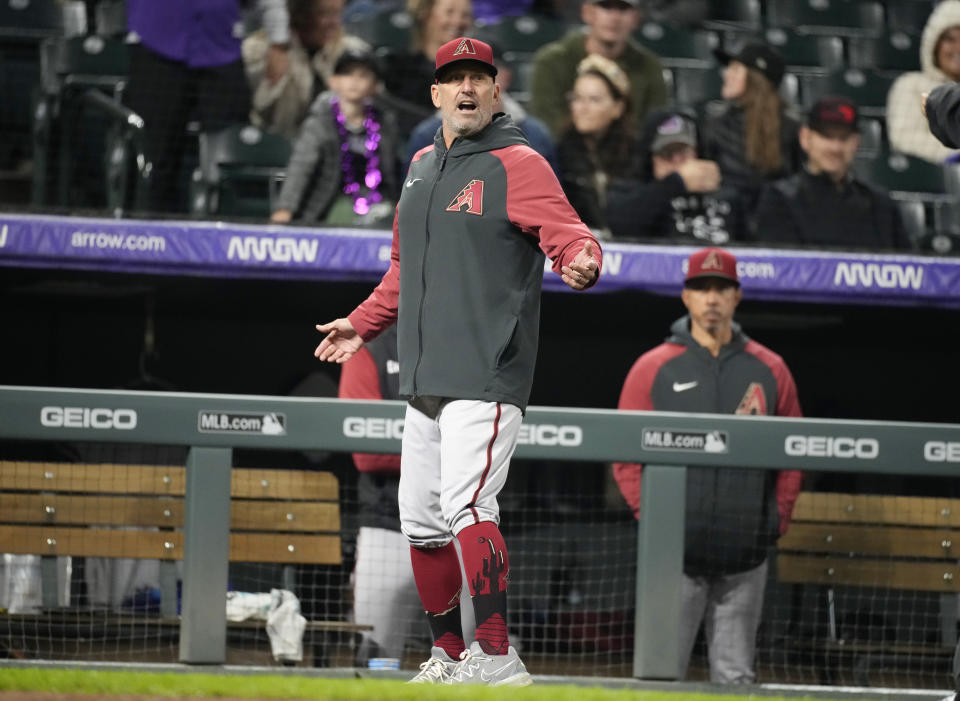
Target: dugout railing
{"x": 215, "y": 424}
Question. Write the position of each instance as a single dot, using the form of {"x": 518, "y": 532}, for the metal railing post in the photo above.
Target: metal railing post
{"x": 656, "y": 651}
{"x": 206, "y": 554}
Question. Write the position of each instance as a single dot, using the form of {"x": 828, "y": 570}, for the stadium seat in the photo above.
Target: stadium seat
{"x": 803, "y": 53}
{"x": 836, "y": 17}
{"x": 872, "y": 138}
{"x": 694, "y": 87}
{"x": 240, "y": 170}
{"x": 898, "y": 172}
{"x": 679, "y": 47}
{"x": 868, "y": 88}
{"x": 384, "y": 31}
{"x": 896, "y": 52}
{"x": 734, "y": 14}
{"x": 23, "y": 25}
{"x": 908, "y": 16}
{"x": 72, "y": 120}
{"x": 525, "y": 33}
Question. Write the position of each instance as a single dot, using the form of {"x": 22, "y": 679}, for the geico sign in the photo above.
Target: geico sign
{"x": 548, "y": 434}
{"x": 832, "y": 447}
{"x": 84, "y": 417}
{"x": 372, "y": 427}
{"x": 941, "y": 451}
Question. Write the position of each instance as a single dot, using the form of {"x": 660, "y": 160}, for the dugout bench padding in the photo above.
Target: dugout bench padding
{"x": 876, "y": 541}
{"x": 278, "y": 516}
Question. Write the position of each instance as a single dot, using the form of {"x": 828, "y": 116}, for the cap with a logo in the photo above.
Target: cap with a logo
{"x": 465, "y": 49}
{"x": 675, "y": 129}
{"x": 356, "y": 57}
{"x": 758, "y": 56}
{"x": 833, "y": 112}
{"x": 712, "y": 262}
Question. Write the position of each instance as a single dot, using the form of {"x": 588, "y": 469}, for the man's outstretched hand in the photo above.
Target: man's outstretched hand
{"x": 583, "y": 270}
{"x": 340, "y": 343}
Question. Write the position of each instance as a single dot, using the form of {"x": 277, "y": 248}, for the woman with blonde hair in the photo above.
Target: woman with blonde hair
{"x": 599, "y": 146}
{"x": 752, "y": 133}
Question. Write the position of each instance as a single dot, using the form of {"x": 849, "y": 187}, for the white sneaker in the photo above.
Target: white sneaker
{"x": 477, "y": 667}
{"x": 436, "y": 670}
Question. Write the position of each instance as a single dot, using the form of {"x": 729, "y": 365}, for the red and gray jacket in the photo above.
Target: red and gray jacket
{"x": 733, "y": 514}
{"x": 472, "y": 226}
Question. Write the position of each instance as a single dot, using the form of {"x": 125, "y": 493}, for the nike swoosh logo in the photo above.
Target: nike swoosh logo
{"x": 684, "y": 386}
{"x": 413, "y": 181}
{"x": 487, "y": 677}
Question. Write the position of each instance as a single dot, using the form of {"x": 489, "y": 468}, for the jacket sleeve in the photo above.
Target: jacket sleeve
{"x": 359, "y": 379}
{"x": 943, "y": 114}
{"x": 788, "y": 481}
{"x": 304, "y": 161}
{"x": 379, "y": 310}
{"x": 635, "y": 395}
{"x": 906, "y": 128}
{"x": 537, "y": 206}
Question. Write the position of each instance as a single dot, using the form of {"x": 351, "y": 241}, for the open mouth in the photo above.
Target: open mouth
{"x": 467, "y": 106}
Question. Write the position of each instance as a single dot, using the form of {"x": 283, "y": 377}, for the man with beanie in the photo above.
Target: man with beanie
{"x": 733, "y": 515}
{"x": 478, "y": 210}
{"x": 826, "y": 204}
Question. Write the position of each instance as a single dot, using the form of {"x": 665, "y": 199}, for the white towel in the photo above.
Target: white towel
{"x": 281, "y": 610}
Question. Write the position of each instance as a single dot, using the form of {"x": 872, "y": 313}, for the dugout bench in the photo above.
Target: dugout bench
{"x": 875, "y": 541}
{"x": 286, "y": 517}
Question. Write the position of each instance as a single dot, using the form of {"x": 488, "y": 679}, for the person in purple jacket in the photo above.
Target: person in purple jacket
{"x": 185, "y": 64}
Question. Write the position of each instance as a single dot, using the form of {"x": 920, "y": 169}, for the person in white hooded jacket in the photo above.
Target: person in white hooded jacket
{"x": 940, "y": 62}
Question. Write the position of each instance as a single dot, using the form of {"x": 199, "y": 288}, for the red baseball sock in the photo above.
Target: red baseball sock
{"x": 487, "y": 565}
{"x": 437, "y": 574}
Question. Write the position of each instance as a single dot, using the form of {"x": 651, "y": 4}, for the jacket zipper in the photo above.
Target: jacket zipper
{"x": 423, "y": 270}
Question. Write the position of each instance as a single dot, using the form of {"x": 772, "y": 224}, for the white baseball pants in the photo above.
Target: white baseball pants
{"x": 453, "y": 466}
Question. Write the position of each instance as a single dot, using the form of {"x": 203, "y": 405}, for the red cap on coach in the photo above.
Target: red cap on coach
{"x": 712, "y": 262}
{"x": 465, "y": 49}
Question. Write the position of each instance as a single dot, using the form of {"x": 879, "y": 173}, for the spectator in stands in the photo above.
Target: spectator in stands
{"x": 343, "y": 169}
{"x": 826, "y": 204}
{"x": 752, "y": 133}
{"x": 536, "y": 131}
{"x": 609, "y": 24}
{"x": 599, "y": 146}
{"x": 185, "y": 63}
{"x": 940, "y": 62}
{"x": 284, "y": 89}
{"x": 680, "y": 197}
{"x": 435, "y": 22}
{"x": 733, "y": 515}
{"x": 384, "y": 592}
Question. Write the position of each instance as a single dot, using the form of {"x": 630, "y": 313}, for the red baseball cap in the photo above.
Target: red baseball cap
{"x": 712, "y": 262}
{"x": 465, "y": 49}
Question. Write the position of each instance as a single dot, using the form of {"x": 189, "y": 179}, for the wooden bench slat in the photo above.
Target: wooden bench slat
{"x": 874, "y": 540}
{"x": 165, "y": 545}
{"x": 880, "y": 509}
{"x": 284, "y": 484}
{"x": 885, "y": 574}
{"x": 146, "y": 512}
{"x": 301, "y": 485}
{"x": 100, "y": 478}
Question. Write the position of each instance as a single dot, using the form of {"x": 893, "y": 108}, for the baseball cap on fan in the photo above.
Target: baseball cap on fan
{"x": 833, "y": 112}
{"x": 465, "y": 49}
{"x": 760, "y": 57}
{"x": 712, "y": 262}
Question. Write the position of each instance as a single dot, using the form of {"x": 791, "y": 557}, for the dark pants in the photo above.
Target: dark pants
{"x": 169, "y": 94}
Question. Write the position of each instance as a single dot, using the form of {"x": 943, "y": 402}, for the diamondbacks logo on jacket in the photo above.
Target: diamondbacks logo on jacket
{"x": 754, "y": 401}
{"x": 465, "y": 47}
{"x": 471, "y": 196}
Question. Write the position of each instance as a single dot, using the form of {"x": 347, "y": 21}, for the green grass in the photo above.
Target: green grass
{"x": 290, "y": 687}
